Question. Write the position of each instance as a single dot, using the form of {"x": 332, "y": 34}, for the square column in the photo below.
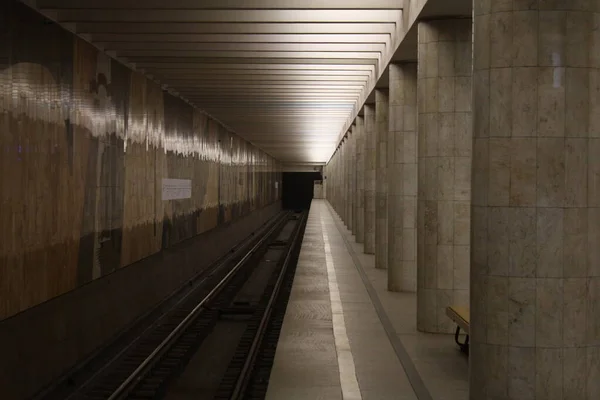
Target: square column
{"x": 344, "y": 179}
{"x": 381, "y": 134}
{"x": 338, "y": 180}
{"x": 402, "y": 179}
{"x": 359, "y": 195}
{"x": 350, "y": 165}
{"x": 535, "y": 261}
{"x": 370, "y": 146}
{"x": 444, "y": 162}
{"x": 331, "y": 180}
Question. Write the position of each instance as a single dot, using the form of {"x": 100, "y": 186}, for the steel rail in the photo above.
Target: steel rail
{"x": 139, "y": 372}
{"x": 242, "y": 382}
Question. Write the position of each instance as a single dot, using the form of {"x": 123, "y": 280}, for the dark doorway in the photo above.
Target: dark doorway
{"x": 298, "y": 189}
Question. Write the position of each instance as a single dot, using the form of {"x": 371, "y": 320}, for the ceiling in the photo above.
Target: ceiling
{"x": 284, "y": 74}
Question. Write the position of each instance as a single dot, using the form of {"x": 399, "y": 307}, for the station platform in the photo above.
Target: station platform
{"x": 345, "y": 336}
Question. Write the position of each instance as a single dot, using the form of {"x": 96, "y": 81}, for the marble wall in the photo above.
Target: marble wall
{"x": 86, "y": 144}
{"x": 535, "y": 273}
{"x": 444, "y": 170}
{"x": 370, "y": 147}
{"x": 402, "y": 178}
{"x": 381, "y": 183}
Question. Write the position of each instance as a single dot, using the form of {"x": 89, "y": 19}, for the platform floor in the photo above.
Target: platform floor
{"x": 346, "y": 337}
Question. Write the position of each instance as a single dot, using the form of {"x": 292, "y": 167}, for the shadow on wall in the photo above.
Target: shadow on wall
{"x": 297, "y": 190}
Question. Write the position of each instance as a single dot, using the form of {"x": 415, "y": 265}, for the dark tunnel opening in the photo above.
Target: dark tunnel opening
{"x": 298, "y": 189}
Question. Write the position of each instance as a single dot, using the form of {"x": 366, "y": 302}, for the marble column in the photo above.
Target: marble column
{"x": 353, "y": 166}
{"x": 381, "y": 134}
{"x": 444, "y": 170}
{"x": 535, "y": 261}
{"x": 344, "y": 178}
{"x": 370, "y": 146}
{"x": 331, "y": 180}
{"x": 402, "y": 179}
{"x": 340, "y": 181}
{"x": 343, "y": 181}
{"x": 340, "y": 196}
{"x": 331, "y": 186}
{"x": 324, "y": 185}
{"x": 359, "y": 195}
{"x": 350, "y": 174}
{"x": 325, "y": 171}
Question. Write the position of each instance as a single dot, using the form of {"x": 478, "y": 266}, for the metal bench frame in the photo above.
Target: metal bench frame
{"x": 459, "y": 320}
{"x": 464, "y": 347}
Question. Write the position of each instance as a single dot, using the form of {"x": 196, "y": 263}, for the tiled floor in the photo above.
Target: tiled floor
{"x": 322, "y": 335}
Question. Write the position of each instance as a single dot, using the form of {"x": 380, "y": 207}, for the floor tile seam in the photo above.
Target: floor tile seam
{"x": 419, "y": 388}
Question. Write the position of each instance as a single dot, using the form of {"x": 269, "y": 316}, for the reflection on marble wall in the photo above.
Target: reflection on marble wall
{"x": 444, "y": 170}
{"x": 85, "y": 144}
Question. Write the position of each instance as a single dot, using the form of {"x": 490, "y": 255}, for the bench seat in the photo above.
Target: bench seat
{"x": 462, "y": 317}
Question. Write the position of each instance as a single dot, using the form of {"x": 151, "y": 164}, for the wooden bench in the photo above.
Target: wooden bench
{"x": 461, "y": 316}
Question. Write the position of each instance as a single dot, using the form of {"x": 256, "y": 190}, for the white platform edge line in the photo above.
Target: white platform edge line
{"x": 348, "y": 381}
{"x": 406, "y": 361}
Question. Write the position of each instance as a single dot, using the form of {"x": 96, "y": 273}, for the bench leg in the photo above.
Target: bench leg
{"x": 464, "y": 347}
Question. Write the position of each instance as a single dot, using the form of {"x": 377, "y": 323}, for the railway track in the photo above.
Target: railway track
{"x": 218, "y": 340}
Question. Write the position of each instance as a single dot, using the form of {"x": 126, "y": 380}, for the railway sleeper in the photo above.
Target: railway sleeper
{"x": 278, "y": 243}
{"x": 237, "y": 310}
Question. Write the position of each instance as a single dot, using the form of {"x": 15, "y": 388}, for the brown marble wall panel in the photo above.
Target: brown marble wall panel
{"x": 40, "y": 168}
{"x": 142, "y": 203}
{"x": 97, "y": 108}
{"x": 86, "y": 143}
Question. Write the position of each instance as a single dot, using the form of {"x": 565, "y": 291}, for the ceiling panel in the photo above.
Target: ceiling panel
{"x": 224, "y": 16}
{"x": 241, "y": 38}
{"x": 232, "y": 28}
{"x": 218, "y": 4}
{"x": 284, "y": 74}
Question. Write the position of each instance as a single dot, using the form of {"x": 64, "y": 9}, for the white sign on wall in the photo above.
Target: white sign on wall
{"x": 175, "y": 189}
